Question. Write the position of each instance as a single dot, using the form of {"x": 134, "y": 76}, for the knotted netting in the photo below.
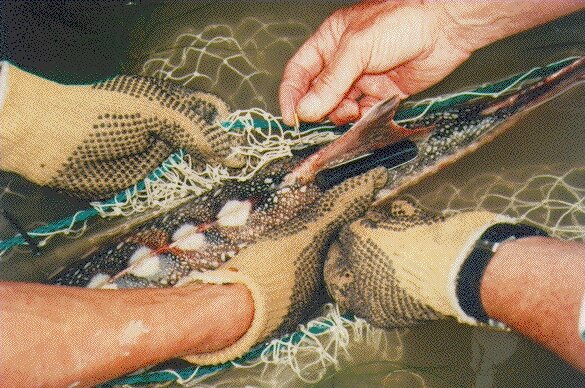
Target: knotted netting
{"x": 551, "y": 199}
{"x": 267, "y": 139}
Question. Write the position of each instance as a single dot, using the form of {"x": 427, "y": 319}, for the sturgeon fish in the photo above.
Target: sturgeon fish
{"x": 209, "y": 230}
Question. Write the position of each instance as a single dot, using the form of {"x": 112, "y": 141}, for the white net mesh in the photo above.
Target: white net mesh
{"x": 234, "y": 62}
{"x": 550, "y": 197}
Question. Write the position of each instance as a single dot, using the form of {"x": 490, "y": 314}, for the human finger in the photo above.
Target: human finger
{"x": 300, "y": 70}
{"x": 380, "y": 86}
{"x": 347, "y": 110}
{"x": 366, "y": 103}
{"x": 332, "y": 84}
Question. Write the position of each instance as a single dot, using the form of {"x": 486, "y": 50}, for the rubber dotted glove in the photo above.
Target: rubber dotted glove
{"x": 95, "y": 140}
{"x": 406, "y": 265}
{"x": 284, "y": 270}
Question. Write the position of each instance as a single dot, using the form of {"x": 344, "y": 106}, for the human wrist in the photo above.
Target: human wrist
{"x": 229, "y": 310}
{"x": 472, "y": 25}
{"x": 472, "y": 272}
{"x": 197, "y": 319}
{"x": 254, "y": 327}
{"x": 520, "y": 255}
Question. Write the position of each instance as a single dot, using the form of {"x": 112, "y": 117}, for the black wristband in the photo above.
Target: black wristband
{"x": 473, "y": 268}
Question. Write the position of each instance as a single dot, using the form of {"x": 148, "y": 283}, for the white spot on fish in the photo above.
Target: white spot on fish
{"x": 268, "y": 180}
{"x": 184, "y": 230}
{"x": 191, "y": 242}
{"x": 132, "y": 331}
{"x": 98, "y": 280}
{"x": 146, "y": 268}
{"x": 187, "y": 237}
{"x": 234, "y": 213}
{"x": 139, "y": 254}
{"x": 110, "y": 286}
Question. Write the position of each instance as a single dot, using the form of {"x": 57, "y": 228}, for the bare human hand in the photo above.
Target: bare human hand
{"x": 373, "y": 50}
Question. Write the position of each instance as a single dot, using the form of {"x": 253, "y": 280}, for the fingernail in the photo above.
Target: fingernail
{"x": 309, "y": 107}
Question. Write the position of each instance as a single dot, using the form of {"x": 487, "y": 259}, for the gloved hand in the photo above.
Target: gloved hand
{"x": 403, "y": 265}
{"x": 95, "y": 140}
{"x": 283, "y": 271}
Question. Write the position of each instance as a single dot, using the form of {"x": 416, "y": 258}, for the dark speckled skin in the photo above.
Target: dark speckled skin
{"x": 271, "y": 207}
{"x": 456, "y": 131}
{"x": 462, "y": 128}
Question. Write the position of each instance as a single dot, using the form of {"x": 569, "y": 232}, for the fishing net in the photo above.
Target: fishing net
{"x": 236, "y": 62}
{"x": 541, "y": 195}
{"x": 552, "y": 197}
{"x": 267, "y": 139}
{"x": 232, "y": 62}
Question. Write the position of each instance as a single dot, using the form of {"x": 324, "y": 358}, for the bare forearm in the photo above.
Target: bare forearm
{"x": 479, "y": 23}
{"x": 535, "y": 286}
{"x": 56, "y": 336}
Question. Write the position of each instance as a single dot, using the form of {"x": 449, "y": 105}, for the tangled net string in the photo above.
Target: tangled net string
{"x": 182, "y": 179}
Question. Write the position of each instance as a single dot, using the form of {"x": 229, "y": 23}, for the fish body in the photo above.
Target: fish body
{"x": 200, "y": 235}
{"x": 209, "y": 230}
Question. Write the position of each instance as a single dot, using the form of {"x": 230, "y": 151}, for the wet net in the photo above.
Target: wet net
{"x": 267, "y": 139}
{"x": 551, "y": 199}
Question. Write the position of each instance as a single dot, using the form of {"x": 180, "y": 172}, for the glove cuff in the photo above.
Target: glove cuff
{"x": 5, "y": 134}
{"x": 255, "y": 332}
{"x": 469, "y": 268}
{"x": 28, "y": 105}
{"x": 4, "y": 69}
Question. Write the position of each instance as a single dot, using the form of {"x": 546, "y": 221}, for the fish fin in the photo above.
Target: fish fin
{"x": 376, "y": 129}
{"x": 420, "y": 133}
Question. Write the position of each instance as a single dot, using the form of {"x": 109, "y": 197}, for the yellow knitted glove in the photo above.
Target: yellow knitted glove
{"x": 405, "y": 265}
{"x": 94, "y": 140}
{"x": 283, "y": 270}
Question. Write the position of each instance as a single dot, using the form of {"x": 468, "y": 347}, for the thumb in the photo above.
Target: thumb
{"x": 336, "y": 79}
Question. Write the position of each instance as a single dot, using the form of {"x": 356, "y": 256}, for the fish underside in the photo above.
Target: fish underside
{"x": 209, "y": 230}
